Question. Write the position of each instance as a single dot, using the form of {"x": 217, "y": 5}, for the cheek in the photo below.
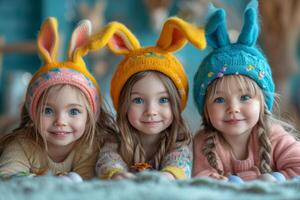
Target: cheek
{"x": 45, "y": 123}
{"x": 214, "y": 114}
{"x": 80, "y": 123}
{"x": 168, "y": 115}
{"x": 133, "y": 115}
{"x": 253, "y": 112}
{"x": 43, "y": 126}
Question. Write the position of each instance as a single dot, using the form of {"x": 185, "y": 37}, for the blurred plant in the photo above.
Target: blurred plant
{"x": 158, "y": 12}
{"x": 195, "y": 11}
{"x": 95, "y": 13}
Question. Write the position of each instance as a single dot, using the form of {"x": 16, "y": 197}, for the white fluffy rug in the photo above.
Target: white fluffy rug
{"x": 146, "y": 186}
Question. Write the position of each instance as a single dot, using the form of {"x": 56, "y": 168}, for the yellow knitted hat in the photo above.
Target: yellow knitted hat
{"x": 174, "y": 35}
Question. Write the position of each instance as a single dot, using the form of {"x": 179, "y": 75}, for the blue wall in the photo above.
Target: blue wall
{"x": 19, "y": 21}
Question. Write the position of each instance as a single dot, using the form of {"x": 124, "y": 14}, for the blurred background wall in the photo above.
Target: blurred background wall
{"x": 20, "y": 21}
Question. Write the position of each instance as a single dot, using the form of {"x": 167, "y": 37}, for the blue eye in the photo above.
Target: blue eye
{"x": 138, "y": 100}
{"x": 219, "y": 100}
{"x": 48, "y": 111}
{"x": 245, "y": 97}
{"x": 74, "y": 111}
{"x": 163, "y": 100}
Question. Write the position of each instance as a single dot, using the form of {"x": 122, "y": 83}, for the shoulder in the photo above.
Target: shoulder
{"x": 20, "y": 147}
{"x": 200, "y": 135}
{"x": 23, "y": 143}
{"x": 277, "y": 131}
{"x": 198, "y": 140}
{"x": 279, "y": 135}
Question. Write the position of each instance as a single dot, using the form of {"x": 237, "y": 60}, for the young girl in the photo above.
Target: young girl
{"x": 234, "y": 93}
{"x": 149, "y": 91}
{"x": 58, "y": 130}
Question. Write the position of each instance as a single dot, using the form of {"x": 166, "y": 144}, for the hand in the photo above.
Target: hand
{"x": 218, "y": 176}
{"x": 123, "y": 175}
{"x": 167, "y": 175}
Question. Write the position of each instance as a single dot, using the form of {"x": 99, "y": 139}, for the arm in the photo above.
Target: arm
{"x": 178, "y": 162}
{"x": 286, "y": 152}
{"x": 110, "y": 162}
{"x": 14, "y": 161}
{"x": 201, "y": 166}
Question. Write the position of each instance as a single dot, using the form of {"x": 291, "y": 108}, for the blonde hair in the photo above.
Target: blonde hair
{"x": 266, "y": 119}
{"x": 177, "y": 134}
{"x": 29, "y": 130}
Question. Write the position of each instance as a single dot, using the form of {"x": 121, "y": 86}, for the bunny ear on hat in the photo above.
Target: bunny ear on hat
{"x": 250, "y": 30}
{"x": 47, "y": 42}
{"x": 116, "y": 36}
{"x": 216, "y": 32}
{"x": 176, "y": 32}
{"x": 79, "y": 38}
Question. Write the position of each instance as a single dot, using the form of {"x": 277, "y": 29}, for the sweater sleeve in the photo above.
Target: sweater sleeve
{"x": 201, "y": 166}
{"x": 109, "y": 161}
{"x": 14, "y": 160}
{"x": 178, "y": 162}
{"x": 286, "y": 152}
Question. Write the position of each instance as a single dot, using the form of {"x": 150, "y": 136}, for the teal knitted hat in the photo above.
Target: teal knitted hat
{"x": 227, "y": 58}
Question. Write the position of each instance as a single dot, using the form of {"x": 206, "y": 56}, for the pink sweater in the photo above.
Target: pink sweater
{"x": 285, "y": 155}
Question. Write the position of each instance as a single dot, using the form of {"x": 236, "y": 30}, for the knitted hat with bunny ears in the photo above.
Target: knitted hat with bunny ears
{"x": 228, "y": 58}
{"x": 157, "y": 58}
{"x": 73, "y": 71}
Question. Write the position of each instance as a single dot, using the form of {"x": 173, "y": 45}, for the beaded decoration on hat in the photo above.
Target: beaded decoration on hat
{"x": 73, "y": 71}
{"x": 228, "y": 58}
{"x": 174, "y": 36}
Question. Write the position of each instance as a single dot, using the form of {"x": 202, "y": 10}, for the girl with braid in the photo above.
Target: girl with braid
{"x": 234, "y": 93}
{"x": 149, "y": 91}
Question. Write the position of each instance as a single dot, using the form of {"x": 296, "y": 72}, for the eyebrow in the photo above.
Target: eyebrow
{"x": 139, "y": 93}
{"x": 69, "y": 105}
{"x": 75, "y": 104}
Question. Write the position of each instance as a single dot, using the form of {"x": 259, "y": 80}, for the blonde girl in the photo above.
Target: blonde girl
{"x": 58, "y": 132}
{"x": 149, "y": 91}
{"x": 234, "y": 93}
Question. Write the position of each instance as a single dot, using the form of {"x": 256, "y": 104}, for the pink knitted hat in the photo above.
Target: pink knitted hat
{"x": 73, "y": 72}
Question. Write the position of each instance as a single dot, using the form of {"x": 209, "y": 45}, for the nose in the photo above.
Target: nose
{"x": 60, "y": 120}
{"x": 233, "y": 107}
{"x": 151, "y": 109}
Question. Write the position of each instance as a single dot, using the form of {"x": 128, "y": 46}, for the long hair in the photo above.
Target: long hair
{"x": 29, "y": 129}
{"x": 265, "y": 121}
{"x": 177, "y": 134}
{"x": 107, "y": 129}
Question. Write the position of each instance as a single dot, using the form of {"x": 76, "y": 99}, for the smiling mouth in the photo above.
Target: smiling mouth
{"x": 233, "y": 121}
{"x": 151, "y": 122}
{"x": 60, "y": 133}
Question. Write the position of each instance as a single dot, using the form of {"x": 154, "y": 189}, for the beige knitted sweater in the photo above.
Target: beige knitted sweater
{"x": 20, "y": 156}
